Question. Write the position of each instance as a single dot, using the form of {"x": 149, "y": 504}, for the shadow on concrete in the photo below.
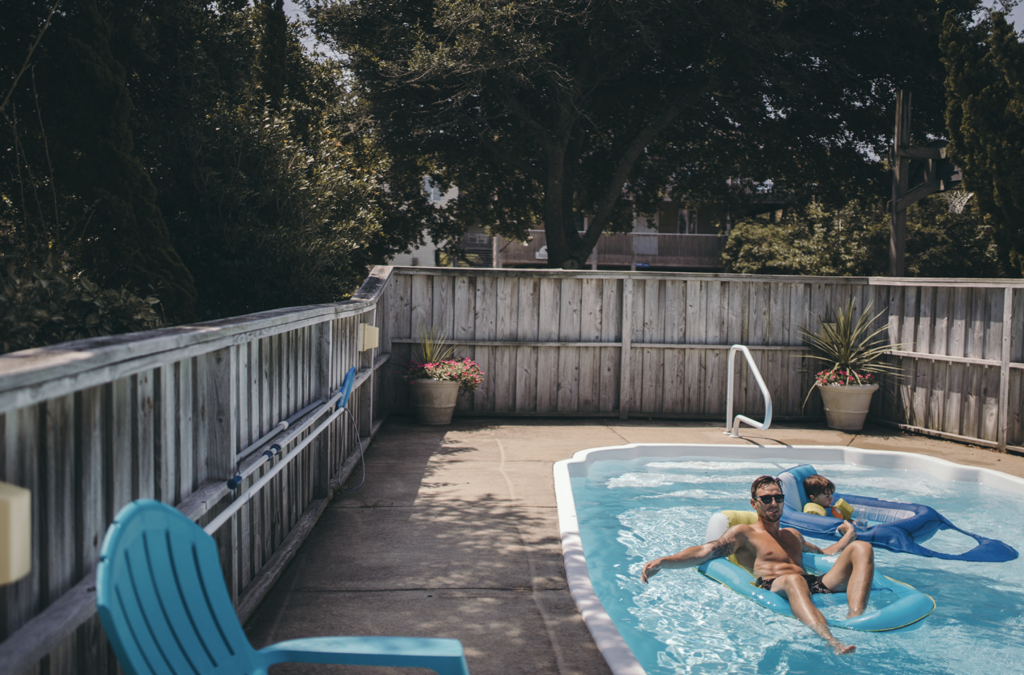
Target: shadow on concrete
{"x": 449, "y": 536}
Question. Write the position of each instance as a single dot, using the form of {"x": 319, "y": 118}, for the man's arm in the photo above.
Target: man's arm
{"x": 849, "y": 536}
{"x": 693, "y": 556}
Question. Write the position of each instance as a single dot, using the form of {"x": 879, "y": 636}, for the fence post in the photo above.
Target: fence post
{"x": 323, "y": 445}
{"x": 365, "y": 361}
{"x": 627, "y": 338}
{"x": 221, "y": 423}
{"x": 1002, "y": 431}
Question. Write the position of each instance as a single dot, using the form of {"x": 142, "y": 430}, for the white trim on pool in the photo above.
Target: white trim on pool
{"x": 613, "y": 647}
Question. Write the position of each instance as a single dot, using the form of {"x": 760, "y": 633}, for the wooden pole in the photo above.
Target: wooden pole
{"x": 900, "y": 180}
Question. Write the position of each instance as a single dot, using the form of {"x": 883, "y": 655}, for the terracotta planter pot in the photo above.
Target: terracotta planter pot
{"x": 433, "y": 401}
{"x": 846, "y": 407}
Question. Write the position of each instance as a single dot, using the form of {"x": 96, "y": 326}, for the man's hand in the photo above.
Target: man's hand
{"x": 650, "y": 569}
{"x": 848, "y": 534}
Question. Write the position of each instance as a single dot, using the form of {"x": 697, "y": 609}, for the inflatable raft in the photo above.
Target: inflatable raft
{"x": 896, "y": 526}
{"x": 898, "y": 604}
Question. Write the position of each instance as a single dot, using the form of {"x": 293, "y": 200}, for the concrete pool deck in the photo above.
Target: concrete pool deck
{"x": 455, "y": 534}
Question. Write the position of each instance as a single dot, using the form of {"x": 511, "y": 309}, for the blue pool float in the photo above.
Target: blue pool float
{"x": 899, "y": 605}
{"x": 896, "y": 526}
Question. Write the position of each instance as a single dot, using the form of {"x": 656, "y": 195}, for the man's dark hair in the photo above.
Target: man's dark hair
{"x": 817, "y": 484}
{"x": 761, "y": 482}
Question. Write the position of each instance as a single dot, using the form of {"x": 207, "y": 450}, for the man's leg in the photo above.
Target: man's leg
{"x": 793, "y": 587}
{"x": 852, "y": 573}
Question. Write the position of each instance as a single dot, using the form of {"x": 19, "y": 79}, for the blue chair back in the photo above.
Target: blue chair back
{"x": 793, "y": 485}
{"x": 186, "y": 626}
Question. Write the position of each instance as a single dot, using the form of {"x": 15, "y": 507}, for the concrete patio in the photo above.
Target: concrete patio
{"x": 455, "y": 533}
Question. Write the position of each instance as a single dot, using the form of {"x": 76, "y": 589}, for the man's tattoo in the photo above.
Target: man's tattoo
{"x": 722, "y": 549}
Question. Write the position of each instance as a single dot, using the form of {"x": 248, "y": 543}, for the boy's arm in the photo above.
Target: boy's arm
{"x": 693, "y": 556}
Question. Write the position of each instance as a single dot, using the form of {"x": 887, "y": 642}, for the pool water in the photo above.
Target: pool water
{"x": 634, "y": 510}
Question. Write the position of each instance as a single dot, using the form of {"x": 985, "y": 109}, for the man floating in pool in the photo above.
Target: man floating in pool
{"x": 774, "y": 554}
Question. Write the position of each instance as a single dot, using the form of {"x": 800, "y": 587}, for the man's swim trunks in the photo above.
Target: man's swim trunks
{"x": 814, "y": 583}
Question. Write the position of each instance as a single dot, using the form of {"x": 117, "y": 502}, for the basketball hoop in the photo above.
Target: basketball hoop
{"x": 957, "y": 200}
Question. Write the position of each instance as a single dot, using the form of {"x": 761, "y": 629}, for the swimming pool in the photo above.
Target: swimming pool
{"x": 621, "y": 506}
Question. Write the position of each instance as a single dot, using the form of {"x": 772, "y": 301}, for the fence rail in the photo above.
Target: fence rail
{"x": 88, "y": 426}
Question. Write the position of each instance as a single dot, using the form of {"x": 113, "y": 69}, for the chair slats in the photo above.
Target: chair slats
{"x": 166, "y": 610}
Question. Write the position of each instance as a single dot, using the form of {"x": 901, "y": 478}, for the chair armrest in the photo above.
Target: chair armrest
{"x": 442, "y": 655}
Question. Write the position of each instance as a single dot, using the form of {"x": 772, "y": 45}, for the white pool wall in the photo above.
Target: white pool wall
{"x": 613, "y": 647}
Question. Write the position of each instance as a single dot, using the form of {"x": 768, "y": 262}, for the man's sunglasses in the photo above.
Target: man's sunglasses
{"x": 768, "y": 499}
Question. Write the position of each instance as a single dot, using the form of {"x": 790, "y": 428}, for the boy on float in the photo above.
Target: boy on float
{"x": 819, "y": 499}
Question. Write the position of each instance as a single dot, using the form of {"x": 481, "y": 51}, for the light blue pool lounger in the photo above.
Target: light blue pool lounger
{"x": 165, "y": 608}
{"x": 899, "y": 605}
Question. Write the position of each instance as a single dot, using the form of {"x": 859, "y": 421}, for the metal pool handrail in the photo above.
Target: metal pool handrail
{"x": 735, "y": 431}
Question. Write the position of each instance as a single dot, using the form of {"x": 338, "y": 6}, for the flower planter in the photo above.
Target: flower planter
{"x": 846, "y": 406}
{"x": 433, "y": 401}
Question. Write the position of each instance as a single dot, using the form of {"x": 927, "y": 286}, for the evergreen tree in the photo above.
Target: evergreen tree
{"x": 79, "y": 154}
{"x": 985, "y": 118}
{"x": 271, "y": 68}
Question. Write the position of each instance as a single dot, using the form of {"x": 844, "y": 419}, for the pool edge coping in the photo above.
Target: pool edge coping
{"x": 609, "y": 640}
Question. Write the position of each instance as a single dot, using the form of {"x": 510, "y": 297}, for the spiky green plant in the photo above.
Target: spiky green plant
{"x": 847, "y": 346}
{"x": 434, "y": 345}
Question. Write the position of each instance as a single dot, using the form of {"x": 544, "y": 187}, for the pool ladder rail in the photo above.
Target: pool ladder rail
{"x": 734, "y": 430}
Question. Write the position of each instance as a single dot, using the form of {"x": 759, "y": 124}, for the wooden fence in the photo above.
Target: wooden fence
{"x": 89, "y": 426}
{"x": 656, "y": 344}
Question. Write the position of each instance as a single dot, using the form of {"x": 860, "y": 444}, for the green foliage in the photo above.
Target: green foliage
{"x": 548, "y": 111}
{"x": 434, "y": 345}
{"x": 985, "y": 118}
{"x": 272, "y": 202}
{"x": 847, "y": 346}
{"x": 74, "y": 185}
{"x": 854, "y": 241}
{"x": 271, "y": 61}
{"x": 40, "y": 307}
{"x": 810, "y": 241}
{"x": 195, "y": 148}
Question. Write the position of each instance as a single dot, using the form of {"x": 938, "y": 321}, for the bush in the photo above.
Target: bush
{"x": 854, "y": 241}
{"x": 41, "y": 307}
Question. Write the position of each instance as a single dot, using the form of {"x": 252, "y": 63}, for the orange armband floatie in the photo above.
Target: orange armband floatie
{"x": 840, "y": 510}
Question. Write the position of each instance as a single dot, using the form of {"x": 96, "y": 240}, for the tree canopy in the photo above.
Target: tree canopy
{"x": 985, "y": 117}
{"x": 552, "y": 110}
{"x": 192, "y": 151}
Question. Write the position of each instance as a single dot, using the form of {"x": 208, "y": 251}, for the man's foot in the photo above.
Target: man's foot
{"x": 839, "y": 648}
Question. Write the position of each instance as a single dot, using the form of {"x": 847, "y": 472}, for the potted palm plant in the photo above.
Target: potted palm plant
{"x": 854, "y": 357}
{"x": 436, "y": 378}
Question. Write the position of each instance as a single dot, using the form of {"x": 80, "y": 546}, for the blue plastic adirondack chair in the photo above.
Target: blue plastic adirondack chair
{"x": 163, "y": 602}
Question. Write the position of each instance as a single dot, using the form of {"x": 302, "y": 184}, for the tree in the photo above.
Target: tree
{"x": 985, "y": 117}
{"x": 853, "y": 240}
{"x": 552, "y": 110}
{"x": 72, "y": 143}
{"x": 269, "y": 196}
